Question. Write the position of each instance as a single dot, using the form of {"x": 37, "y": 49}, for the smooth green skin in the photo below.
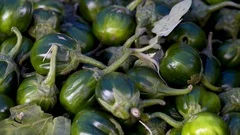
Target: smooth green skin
{"x": 114, "y": 25}
{"x": 29, "y": 91}
{"x": 52, "y": 5}
{"x": 9, "y": 69}
{"x": 150, "y": 84}
{"x": 44, "y": 22}
{"x": 205, "y": 123}
{"x": 5, "y": 104}
{"x": 212, "y": 2}
{"x": 230, "y": 78}
{"x": 117, "y": 93}
{"x": 228, "y": 53}
{"x": 189, "y": 33}
{"x": 83, "y": 34}
{"x": 40, "y": 48}
{"x": 198, "y": 100}
{"x": 16, "y": 13}
{"x": 90, "y": 8}
{"x": 180, "y": 64}
{"x": 161, "y": 9}
{"x": 93, "y": 122}
{"x": 211, "y": 68}
{"x": 233, "y": 120}
{"x": 78, "y": 91}
{"x": 9, "y": 43}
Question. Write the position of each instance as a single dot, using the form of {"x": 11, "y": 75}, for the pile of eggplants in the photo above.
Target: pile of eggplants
{"x": 105, "y": 67}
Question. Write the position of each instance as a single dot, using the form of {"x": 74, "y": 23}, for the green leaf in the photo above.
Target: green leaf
{"x": 164, "y": 26}
{"x": 29, "y": 119}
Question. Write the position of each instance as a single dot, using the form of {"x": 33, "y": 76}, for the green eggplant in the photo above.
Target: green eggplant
{"x": 89, "y": 9}
{"x": 14, "y": 13}
{"x": 44, "y": 22}
{"x": 52, "y": 5}
{"x": 151, "y": 85}
{"x": 5, "y": 104}
{"x": 82, "y": 32}
{"x": 205, "y": 123}
{"x": 198, "y": 100}
{"x": 95, "y": 122}
{"x": 181, "y": 65}
{"x": 200, "y": 11}
{"x": 232, "y": 119}
{"x": 230, "y": 100}
{"x": 39, "y": 89}
{"x": 211, "y": 67}
{"x": 161, "y": 9}
{"x": 68, "y": 58}
{"x": 229, "y": 79}
{"x": 118, "y": 94}
{"x": 114, "y": 25}
{"x": 228, "y": 53}
{"x": 25, "y": 48}
{"x": 211, "y": 2}
{"x": 9, "y": 73}
{"x": 227, "y": 23}
{"x": 78, "y": 91}
{"x": 189, "y": 33}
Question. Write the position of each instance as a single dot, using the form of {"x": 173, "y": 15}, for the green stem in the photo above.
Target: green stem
{"x": 50, "y": 79}
{"x": 17, "y": 46}
{"x": 168, "y": 119}
{"x": 131, "y": 6}
{"x": 129, "y": 42}
{"x": 88, "y": 60}
{"x": 118, "y": 63}
{"x": 165, "y": 90}
{"x": 150, "y": 102}
{"x": 216, "y": 7}
{"x": 208, "y": 85}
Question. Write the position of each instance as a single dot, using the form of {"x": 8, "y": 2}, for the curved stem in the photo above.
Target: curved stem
{"x": 24, "y": 57}
{"x": 88, "y": 60}
{"x": 50, "y": 79}
{"x": 94, "y": 51}
{"x": 118, "y": 63}
{"x": 208, "y": 85}
{"x": 151, "y": 102}
{"x": 129, "y": 42}
{"x": 215, "y": 7}
{"x": 208, "y": 50}
{"x": 131, "y": 6}
{"x": 15, "y": 49}
{"x": 166, "y": 118}
{"x": 165, "y": 90}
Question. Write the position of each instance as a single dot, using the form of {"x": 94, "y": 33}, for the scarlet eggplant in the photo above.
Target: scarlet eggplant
{"x": 5, "y": 104}
{"x": 68, "y": 58}
{"x": 90, "y": 8}
{"x": 94, "y": 122}
{"x": 190, "y": 33}
{"x": 14, "y": 13}
{"x": 39, "y": 89}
